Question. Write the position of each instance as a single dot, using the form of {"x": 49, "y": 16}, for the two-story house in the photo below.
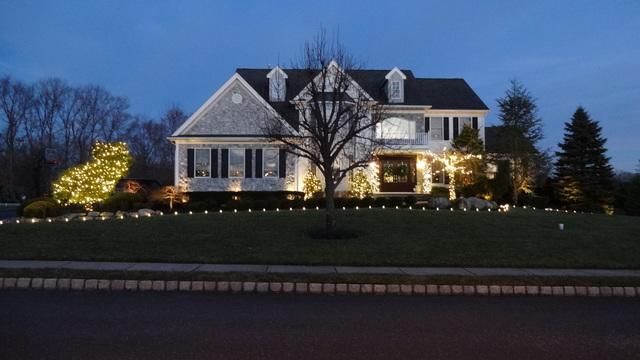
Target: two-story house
{"x": 222, "y": 146}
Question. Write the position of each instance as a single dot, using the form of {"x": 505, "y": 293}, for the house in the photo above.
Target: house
{"x": 222, "y": 147}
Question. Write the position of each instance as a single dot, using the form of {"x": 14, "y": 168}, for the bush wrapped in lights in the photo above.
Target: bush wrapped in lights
{"x": 311, "y": 184}
{"x": 92, "y": 182}
{"x": 359, "y": 185}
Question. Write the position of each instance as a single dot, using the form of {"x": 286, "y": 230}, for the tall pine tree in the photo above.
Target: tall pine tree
{"x": 520, "y": 131}
{"x": 584, "y": 177}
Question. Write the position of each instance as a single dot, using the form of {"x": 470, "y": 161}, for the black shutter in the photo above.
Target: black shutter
{"x": 426, "y": 124}
{"x": 474, "y": 122}
{"x": 248, "y": 164}
{"x": 224, "y": 163}
{"x": 282, "y": 157}
{"x": 190, "y": 163}
{"x": 455, "y": 127}
{"x": 214, "y": 163}
{"x": 258, "y": 163}
{"x": 445, "y": 130}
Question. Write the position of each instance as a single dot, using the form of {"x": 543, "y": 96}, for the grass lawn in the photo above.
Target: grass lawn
{"x": 519, "y": 238}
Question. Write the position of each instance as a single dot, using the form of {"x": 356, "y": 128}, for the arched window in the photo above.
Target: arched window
{"x": 396, "y": 128}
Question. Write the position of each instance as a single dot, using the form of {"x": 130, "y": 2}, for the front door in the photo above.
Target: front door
{"x": 397, "y": 173}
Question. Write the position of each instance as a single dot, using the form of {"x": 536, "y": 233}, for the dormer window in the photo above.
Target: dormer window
{"x": 395, "y": 90}
{"x": 395, "y": 85}
{"x": 277, "y": 84}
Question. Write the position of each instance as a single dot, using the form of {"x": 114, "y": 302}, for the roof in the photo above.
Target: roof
{"x": 440, "y": 94}
{"x": 495, "y": 140}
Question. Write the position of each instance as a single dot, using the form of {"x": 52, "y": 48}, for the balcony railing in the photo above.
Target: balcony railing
{"x": 418, "y": 139}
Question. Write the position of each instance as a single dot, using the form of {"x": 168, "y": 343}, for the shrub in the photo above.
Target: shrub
{"x": 20, "y": 209}
{"x": 42, "y": 209}
{"x": 394, "y": 201}
{"x": 273, "y": 202}
{"x": 351, "y": 202}
{"x": 539, "y": 202}
{"x": 197, "y": 206}
{"x": 366, "y": 202}
{"x": 297, "y": 203}
{"x": 440, "y": 191}
{"x": 379, "y": 202}
{"x": 410, "y": 200}
{"x": 123, "y": 201}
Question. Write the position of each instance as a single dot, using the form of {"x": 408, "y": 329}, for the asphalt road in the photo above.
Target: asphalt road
{"x": 100, "y": 325}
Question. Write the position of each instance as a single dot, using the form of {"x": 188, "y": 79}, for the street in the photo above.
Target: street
{"x": 138, "y": 325}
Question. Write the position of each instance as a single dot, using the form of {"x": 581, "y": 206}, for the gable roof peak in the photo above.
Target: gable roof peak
{"x": 275, "y": 70}
{"x": 395, "y": 70}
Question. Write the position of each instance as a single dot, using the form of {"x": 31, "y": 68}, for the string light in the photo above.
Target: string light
{"x": 93, "y": 182}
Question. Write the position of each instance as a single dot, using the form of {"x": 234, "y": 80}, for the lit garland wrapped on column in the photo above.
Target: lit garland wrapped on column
{"x": 92, "y": 182}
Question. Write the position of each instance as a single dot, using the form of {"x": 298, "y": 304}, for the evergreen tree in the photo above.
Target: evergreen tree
{"x": 584, "y": 177}
{"x": 520, "y": 131}
{"x": 518, "y": 109}
{"x": 469, "y": 142}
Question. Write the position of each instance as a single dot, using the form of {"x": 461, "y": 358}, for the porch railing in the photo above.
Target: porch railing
{"x": 418, "y": 139}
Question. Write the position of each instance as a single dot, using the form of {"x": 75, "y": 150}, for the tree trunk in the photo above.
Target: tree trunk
{"x": 330, "y": 209}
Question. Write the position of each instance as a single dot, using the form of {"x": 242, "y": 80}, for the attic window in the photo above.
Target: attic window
{"x": 395, "y": 89}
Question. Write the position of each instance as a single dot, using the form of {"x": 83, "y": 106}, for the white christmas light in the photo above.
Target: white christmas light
{"x": 437, "y": 209}
{"x": 220, "y": 211}
{"x": 264, "y": 210}
{"x": 48, "y": 220}
{"x": 206, "y": 212}
{"x": 357, "y": 208}
{"x": 235, "y": 210}
{"x": 190, "y": 212}
{"x": 175, "y": 213}
{"x": 249, "y": 210}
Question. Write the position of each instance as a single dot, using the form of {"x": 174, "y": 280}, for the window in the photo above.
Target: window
{"x": 270, "y": 161}
{"x": 203, "y": 162}
{"x": 236, "y": 163}
{"x": 438, "y": 174}
{"x": 464, "y": 121}
{"x": 395, "y": 90}
{"x": 396, "y": 128}
{"x": 437, "y": 129}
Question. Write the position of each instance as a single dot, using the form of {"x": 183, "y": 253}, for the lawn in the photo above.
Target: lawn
{"x": 519, "y": 238}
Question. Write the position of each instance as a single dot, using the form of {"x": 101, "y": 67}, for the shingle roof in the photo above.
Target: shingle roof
{"x": 445, "y": 94}
{"x": 500, "y": 140}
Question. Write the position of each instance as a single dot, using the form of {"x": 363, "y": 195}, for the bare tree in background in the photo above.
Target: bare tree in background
{"x": 337, "y": 118}
{"x": 15, "y": 102}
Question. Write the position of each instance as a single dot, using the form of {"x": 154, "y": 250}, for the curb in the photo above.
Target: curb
{"x": 25, "y": 283}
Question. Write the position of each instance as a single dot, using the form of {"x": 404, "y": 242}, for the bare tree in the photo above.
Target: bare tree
{"x": 336, "y": 130}
{"x": 15, "y": 104}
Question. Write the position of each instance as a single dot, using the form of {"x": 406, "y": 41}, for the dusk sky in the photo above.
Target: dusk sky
{"x": 159, "y": 53}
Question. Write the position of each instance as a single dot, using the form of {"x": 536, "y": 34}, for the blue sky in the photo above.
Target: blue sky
{"x": 158, "y": 53}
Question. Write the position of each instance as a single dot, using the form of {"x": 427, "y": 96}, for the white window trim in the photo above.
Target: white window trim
{"x": 195, "y": 163}
{"x": 243, "y": 163}
{"x": 442, "y": 129}
{"x": 264, "y": 153}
